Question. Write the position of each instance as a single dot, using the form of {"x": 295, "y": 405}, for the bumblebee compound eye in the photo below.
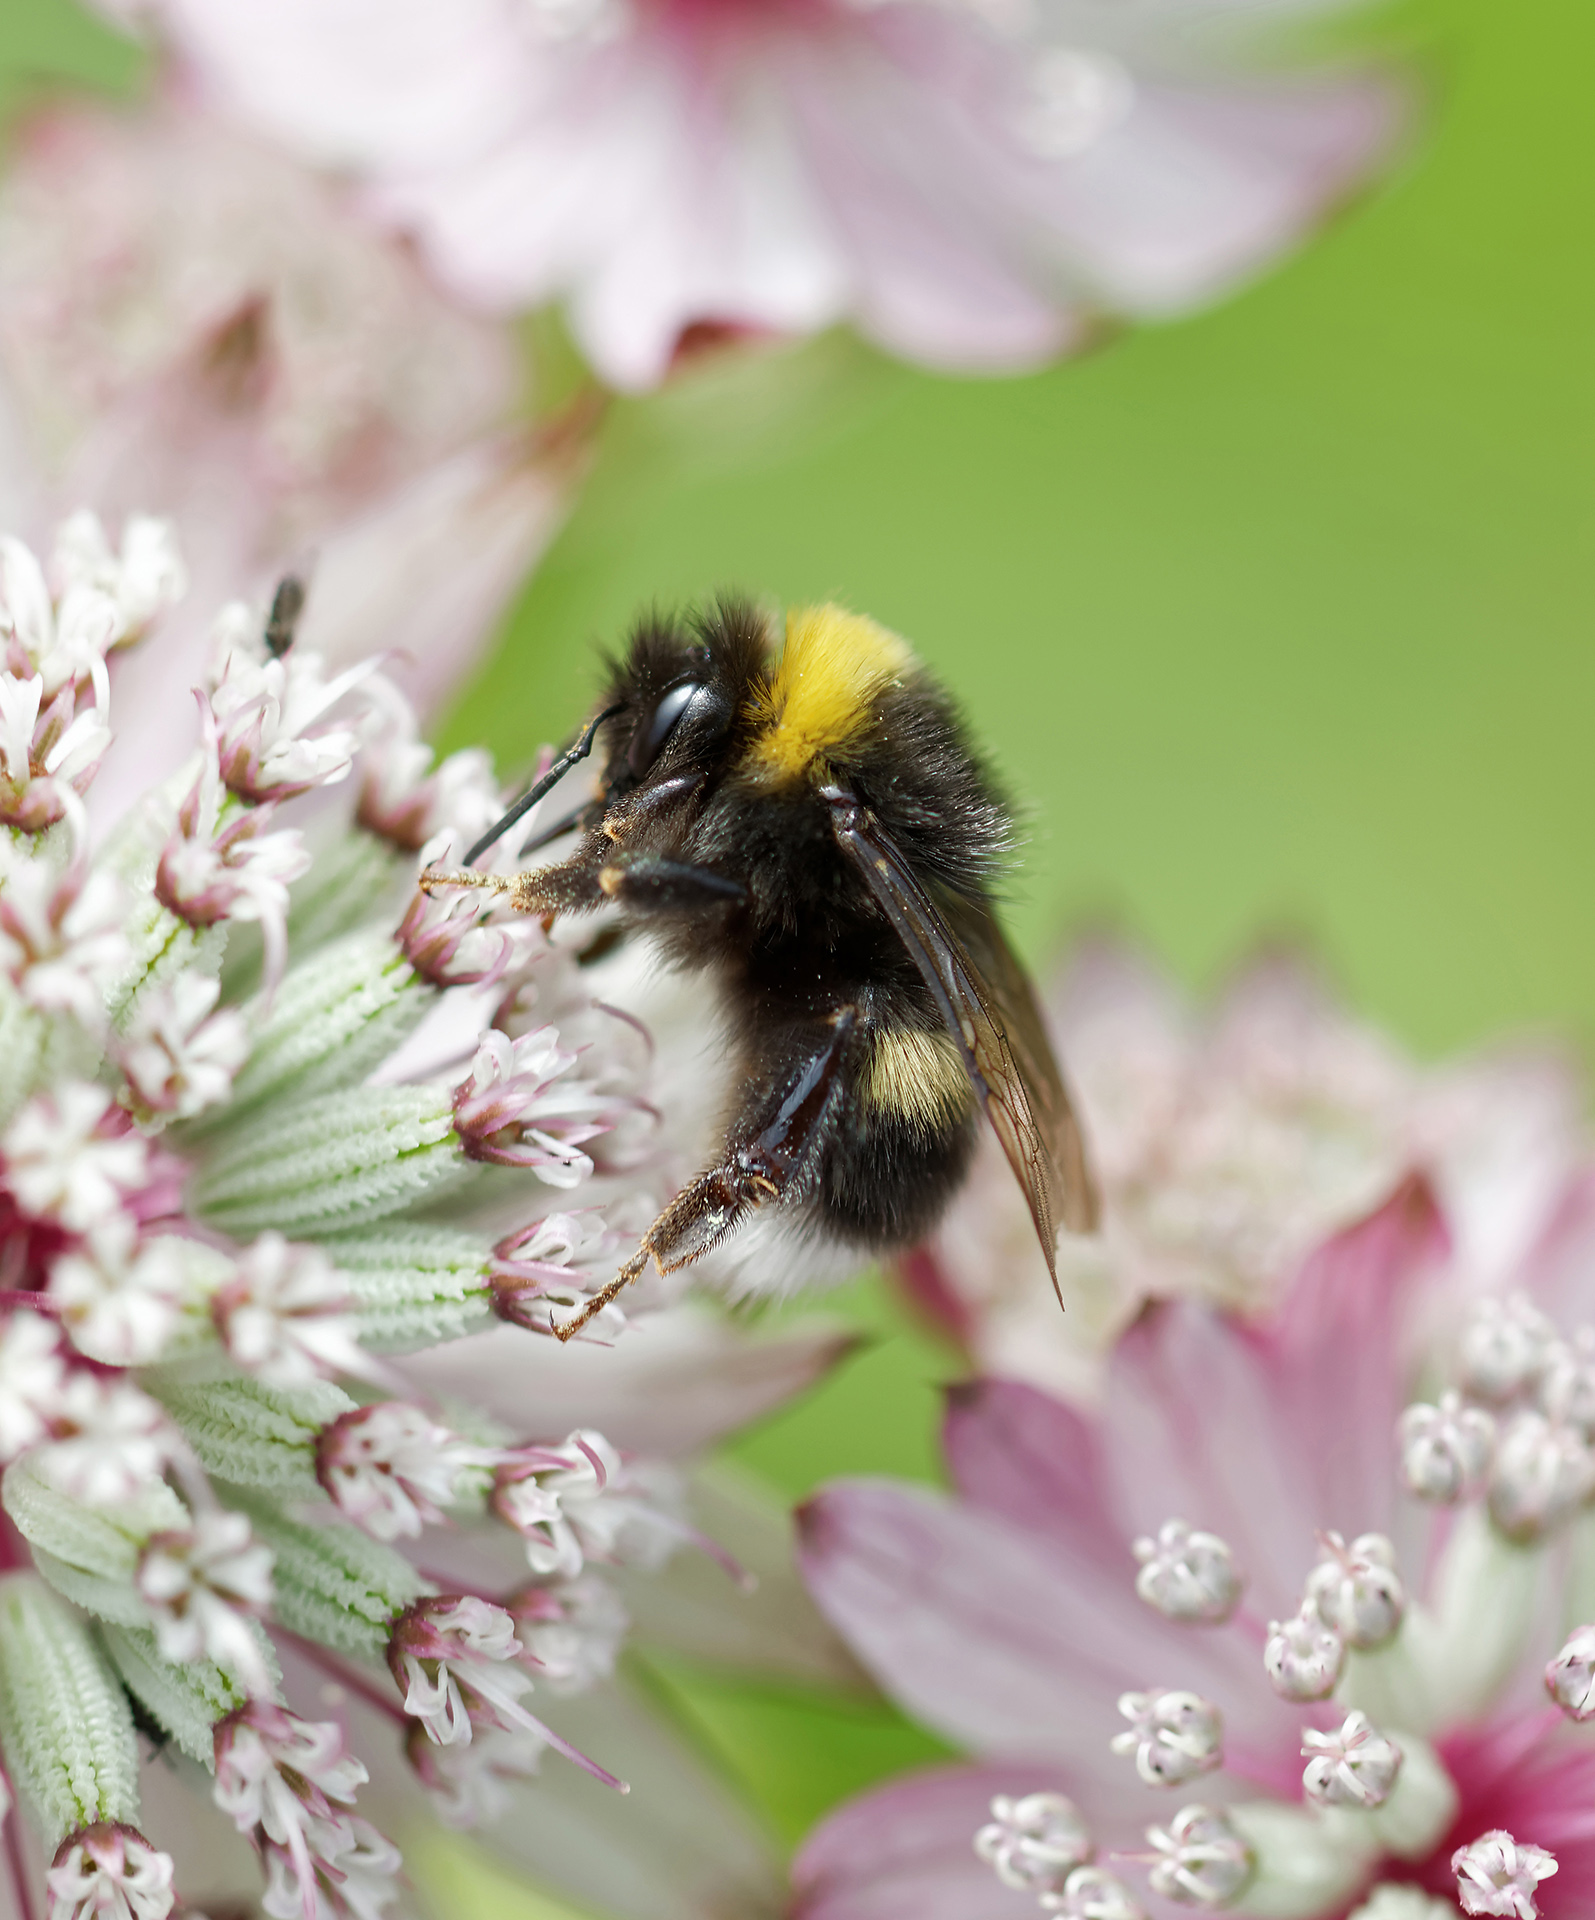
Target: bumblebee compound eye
{"x": 648, "y": 741}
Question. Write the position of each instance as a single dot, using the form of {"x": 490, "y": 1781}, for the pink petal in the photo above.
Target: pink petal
{"x": 905, "y": 1851}
{"x": 1560, "y": 1269}
{"x": 1540, "y": 1787}
{"x": 1265, "y": 1438}
{"x": 689, "y": 1606}
{"x": 1339, "y": 1357}
{"x": 1194, "y": 189}
{"x": 427, "y": 571}
{"x": 1016, "y": 1451}
{"x": 1002, "y": 1640}
{"x": 673, "y": 1382}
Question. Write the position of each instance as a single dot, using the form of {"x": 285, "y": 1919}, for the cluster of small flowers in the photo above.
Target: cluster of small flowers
{"x": 212, "y": 1156}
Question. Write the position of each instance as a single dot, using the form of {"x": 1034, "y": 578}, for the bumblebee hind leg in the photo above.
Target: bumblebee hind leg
{"x": 777, "y": 1153}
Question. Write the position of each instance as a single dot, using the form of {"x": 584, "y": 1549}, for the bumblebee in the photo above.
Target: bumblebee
{"x": 811, "y": 827}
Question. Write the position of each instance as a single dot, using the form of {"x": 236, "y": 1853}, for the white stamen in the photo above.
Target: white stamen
{"x": 1034, "y": 1844}
{"x": 1353, "y": 1767}
{"x": 1505, "y": 1347}
{"x": 1303, "y": 1657}
{"x": 1188, "y": 1575}
{"x": 1092, "y": 1893}
{"x": 1570, "y": 1677}
{"x": 1497, "y": 1876}
{"x": 1174, "y": 1736}
{"x": 1567, "y": 1390}
{"x": 1205, "y": 1862}
{"x": 1391, "y": 1902}
{"x": 1446, "y": 1449}
{"x": 1543, "y": 1472}
{"x": 1357, "y": 1590}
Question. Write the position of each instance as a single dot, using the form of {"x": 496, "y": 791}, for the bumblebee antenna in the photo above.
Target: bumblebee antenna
{"x": 534, "y": 793}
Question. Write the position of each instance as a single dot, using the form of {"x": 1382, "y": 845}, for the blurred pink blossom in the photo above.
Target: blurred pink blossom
{"x": 1228, "y": 1144}
{"x": 192, "y": 321}
{"x": 971, "y": 183}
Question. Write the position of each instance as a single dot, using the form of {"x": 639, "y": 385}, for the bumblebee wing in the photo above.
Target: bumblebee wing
{"x": 1017, "y": 1016}
{"x": 991, "y": 1013}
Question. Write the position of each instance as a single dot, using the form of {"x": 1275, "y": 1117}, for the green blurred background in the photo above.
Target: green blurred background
{"x": 1275, "y": 618}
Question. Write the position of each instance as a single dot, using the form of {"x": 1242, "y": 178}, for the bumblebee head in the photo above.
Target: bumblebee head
{"x": 677, "y": 707}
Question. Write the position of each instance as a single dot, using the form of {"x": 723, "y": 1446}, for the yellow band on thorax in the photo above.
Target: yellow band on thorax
{"x": 833, "y": 669}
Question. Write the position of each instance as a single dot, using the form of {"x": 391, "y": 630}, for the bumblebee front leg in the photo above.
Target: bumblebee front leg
{"x": 773, "y": 1160}
{"x": 570, "y": 887}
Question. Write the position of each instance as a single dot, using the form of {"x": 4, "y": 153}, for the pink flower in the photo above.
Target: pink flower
{"x": 128, "y": 239}
{"x": 290, "y": 1785}
{"x": 578, "y": 1502}
{"x": 969, "y": 183}
{"x": 62, "y": 943}
{"x": 107, "y": 1872}
{"x": 404, "y": 797}
{"x": 1230, "y": 1144}
{"x": 283, "y": 1314}
{"x": 452, "y": 940}
{"x": 553, "y": 1265}
{"x": 1010, "y": 1618}
{"x": 203, "y": 1587}
{"x": 520, "y": 1106}
{"x": 186, "y": 315}
{"x": 71, "y": 1158}
{"x": 178, "y": 1051}
{"x": 220, "y": 862}
{"x": 273, "y": 736}
{"x": 392, "y": 1470}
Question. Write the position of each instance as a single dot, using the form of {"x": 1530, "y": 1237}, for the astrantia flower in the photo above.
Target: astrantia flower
{"x": 260, "y": 1149}
{"x": 968, "y": 182}
{"x": 1395, "y": 1649}
{"x": 1229, "y": 1146}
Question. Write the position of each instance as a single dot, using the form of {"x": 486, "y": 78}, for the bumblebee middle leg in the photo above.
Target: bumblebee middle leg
{"x": 772, "y": 1160}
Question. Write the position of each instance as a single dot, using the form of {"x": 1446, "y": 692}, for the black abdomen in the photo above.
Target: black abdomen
{"x": 886, "y": 1180}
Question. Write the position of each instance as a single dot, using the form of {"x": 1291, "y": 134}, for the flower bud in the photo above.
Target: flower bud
{"x": 1567, "y": 1390}
{"x": 1034, "y": 1844}
{"x": 1497, "y": 1876}
{"x": 1542, "y": 1473}
{"x": 1505, "y": 1347}
{"x": 1092, "y": 1893}
{"x": 1204, "y": 1861}
{"x": 1356, "y": 1766}
{"x": 1188, "y": 1575}
{"x": 1570, "y": 1677}
{"x": 1173, "y": 1736}
{"x": 1357, "y": 1590}
{"x": 1445, "y": 1450}
{"x": 1303, "y": 1658}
